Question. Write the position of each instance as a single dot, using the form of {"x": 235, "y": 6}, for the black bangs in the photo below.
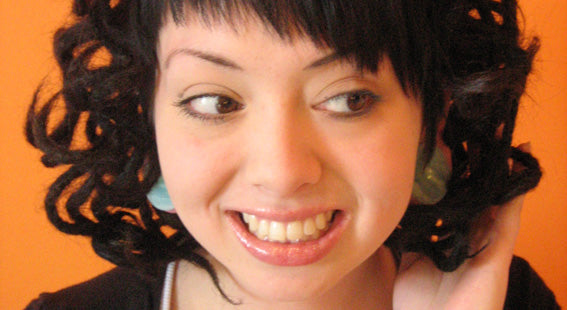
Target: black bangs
{"x": 360, "y": 30}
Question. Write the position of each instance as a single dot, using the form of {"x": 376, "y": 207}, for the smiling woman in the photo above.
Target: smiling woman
{"x": 284, "y": 137}
{"x": 287, "y": 151}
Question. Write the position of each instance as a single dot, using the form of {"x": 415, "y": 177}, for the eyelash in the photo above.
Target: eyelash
{"x": 185, "y": 106}
{"x": 349, "y": 115}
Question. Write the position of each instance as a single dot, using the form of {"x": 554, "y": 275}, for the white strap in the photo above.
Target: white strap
{"x": 168, "y": 286}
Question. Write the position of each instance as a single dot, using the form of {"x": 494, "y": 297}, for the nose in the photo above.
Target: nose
{"x": 282, "y": 155}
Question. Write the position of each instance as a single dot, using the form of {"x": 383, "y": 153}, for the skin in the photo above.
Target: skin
{"x": 288, "y": 144}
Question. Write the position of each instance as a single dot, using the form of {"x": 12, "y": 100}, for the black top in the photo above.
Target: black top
{"x": 119, "y": 288}
{"x": 123, "y": 288}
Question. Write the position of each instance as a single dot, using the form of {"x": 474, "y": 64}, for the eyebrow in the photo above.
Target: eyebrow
{"x": 323, "y": 61}
{"x": 203, "y": 55}
{"x": 227, "y": 63}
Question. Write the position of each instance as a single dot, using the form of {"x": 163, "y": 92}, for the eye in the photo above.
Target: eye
{"x": 349, "y": 104}
{"x": 210, "y": 106}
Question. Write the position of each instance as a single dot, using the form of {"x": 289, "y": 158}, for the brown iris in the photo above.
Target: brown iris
{"x": 359, "y": 101}
{"x": 226, "y": 105}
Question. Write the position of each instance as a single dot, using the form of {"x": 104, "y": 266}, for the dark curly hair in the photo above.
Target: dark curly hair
{"x": 468, "y": 53}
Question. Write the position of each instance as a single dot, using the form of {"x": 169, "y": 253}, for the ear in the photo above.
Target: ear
{"x": 445, "y": 150}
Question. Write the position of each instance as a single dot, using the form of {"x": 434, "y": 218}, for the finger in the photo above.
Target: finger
{"x": 507, "y": 225}
{"x": 497, "y": 231}
{"x": 503, "y": 230}
{"x": 507, "y": 217}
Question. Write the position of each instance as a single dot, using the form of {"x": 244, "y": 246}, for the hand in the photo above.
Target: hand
{"x": 480, "y": 283}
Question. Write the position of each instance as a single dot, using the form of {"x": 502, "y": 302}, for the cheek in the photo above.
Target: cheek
{"x": 195, "y": 174}
{"x": 380, "y": 171}
{"x": 389, "y": 172}
{"x": 381, "y": 166}
{"x": 194, "y": 170}
{"x": 383, "y": 189}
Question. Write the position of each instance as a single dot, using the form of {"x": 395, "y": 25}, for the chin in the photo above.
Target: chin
{"x": 297, "y": 284}
{"x": 288, "y": 290}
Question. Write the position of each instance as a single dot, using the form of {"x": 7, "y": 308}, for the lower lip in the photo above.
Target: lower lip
{"x": 289, "y": 254}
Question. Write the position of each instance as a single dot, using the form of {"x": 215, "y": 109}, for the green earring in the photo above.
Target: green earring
{"x": 430, "y": 182}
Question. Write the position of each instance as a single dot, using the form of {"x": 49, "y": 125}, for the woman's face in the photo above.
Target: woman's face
{"x": 316, "y": 156}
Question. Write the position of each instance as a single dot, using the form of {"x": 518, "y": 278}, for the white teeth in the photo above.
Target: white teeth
{"x": 263, "y": 229}
{"x": 320, "y": 221}
{"x": 246, "y": 218}
{"x": 253, "y": 224}
{"x": 277, "y": 232}
{"x": 309, "y": 227}
{"x": 296, "y": 231}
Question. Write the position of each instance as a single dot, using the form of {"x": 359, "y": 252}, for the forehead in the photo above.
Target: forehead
{"x": 362, "y": 30}
{"x": 247, "y": 42}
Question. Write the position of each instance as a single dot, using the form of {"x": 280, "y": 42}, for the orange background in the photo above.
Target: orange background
{"x": 34, "y": 257}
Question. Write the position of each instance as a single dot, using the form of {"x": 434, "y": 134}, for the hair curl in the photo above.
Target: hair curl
{"x": 468, "y": 50}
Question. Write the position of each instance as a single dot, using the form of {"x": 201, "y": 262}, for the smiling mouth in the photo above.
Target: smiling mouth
{"x": 291, "y": 241}
{"x": 308, "y": 229}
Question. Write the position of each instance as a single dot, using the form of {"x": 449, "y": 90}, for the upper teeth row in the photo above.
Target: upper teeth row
{"x": 308, "y": 229}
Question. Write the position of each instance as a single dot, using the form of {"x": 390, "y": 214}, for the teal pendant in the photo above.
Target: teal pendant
{"x": 159, "y": 197}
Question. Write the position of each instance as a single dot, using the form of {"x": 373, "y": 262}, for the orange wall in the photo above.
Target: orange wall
{"x": 34, "y": 257}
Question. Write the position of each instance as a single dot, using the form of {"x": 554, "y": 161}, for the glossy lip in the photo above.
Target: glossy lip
{"x": 289, "y": 254}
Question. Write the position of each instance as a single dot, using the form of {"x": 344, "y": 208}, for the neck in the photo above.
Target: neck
{"x": 369, "y": 286}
